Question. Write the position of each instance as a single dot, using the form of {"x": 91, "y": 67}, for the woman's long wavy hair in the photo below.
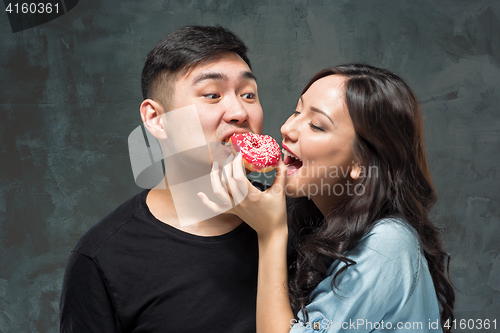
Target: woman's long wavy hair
{"x": 389, "y": 137}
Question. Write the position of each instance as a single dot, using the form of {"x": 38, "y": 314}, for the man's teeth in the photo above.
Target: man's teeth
{"x": 226, "y": 143}
{"x": 287, "y": 153}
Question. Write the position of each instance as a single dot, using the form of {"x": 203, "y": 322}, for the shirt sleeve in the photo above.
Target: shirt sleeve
{"x": 86, "y": 305}
{"x": 372, "y": 290}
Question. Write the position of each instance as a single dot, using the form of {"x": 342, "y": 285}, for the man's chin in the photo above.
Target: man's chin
{"x": 219, "y": 153}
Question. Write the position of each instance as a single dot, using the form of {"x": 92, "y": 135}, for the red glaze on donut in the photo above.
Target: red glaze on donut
{"x": 261, "y": 153}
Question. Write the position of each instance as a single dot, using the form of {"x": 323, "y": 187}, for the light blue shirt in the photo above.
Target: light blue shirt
{"x": 389, "y": 289}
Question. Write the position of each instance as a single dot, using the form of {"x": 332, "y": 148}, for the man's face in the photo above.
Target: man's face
{"x": 224, "y": 91}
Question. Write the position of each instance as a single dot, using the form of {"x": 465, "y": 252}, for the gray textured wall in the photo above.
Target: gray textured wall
{"x": 70, "y": 94}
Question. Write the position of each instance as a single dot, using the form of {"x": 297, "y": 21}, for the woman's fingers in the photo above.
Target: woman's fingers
{"x": 279, "y": 179}
{"x": 227, "y": 175}
{"x": 224, "y": 179}
{"x": 219, "y": 190}
{"x": 239, "y": 184}
{"x": 235, "y": 180}
{"x": 214, "y": 207}
{"x": 230, "y": 185}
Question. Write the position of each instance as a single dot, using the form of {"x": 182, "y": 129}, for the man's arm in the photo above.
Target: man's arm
{"x": 86, "y": 305}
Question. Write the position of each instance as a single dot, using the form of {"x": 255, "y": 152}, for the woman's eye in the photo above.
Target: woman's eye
{"x": 248, "y": 96}
{"x": 211, "y": 96}
{"x": 315, "y": 128}
{"x": 296, "y": 113}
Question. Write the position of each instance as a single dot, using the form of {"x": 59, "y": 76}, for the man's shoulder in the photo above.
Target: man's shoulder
{"x": 94, "y": 237}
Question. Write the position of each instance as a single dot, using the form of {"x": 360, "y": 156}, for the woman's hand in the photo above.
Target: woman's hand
{"x": 264, "y": 211}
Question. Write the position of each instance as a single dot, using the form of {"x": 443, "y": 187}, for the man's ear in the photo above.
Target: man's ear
{"x": 152, "y": 115}
{"x": 356, "y": 171}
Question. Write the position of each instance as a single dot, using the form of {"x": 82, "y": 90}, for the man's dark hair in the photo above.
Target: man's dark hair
{"x": 179, "y": 51}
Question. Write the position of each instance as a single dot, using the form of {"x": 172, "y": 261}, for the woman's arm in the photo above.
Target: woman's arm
{"x": 265, "y": 212}
{"x": 274, "y": 312}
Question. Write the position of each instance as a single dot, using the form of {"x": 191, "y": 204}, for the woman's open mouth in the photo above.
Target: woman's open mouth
{"x": 292, "y": 161}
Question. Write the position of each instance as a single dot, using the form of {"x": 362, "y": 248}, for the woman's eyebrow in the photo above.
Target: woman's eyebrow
{"x": 315, "y": 109}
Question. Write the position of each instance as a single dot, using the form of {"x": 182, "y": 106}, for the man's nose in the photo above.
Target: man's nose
{"x": 236, "y": 112}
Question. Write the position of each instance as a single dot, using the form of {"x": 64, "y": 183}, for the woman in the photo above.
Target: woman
{"x": 365, "y": 256}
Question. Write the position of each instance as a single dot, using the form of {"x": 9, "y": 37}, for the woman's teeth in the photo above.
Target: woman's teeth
{"x": 287, "y": 153}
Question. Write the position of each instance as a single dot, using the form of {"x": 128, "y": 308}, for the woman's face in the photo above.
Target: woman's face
{"x": 319, "y": 137}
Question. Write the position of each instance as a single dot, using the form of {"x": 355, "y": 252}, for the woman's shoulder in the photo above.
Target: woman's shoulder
{"x": 389, "y": 258}
{"x": 391, "y": 237}
{"x": 387, "y": 270}
{"x": 393, "y": 226}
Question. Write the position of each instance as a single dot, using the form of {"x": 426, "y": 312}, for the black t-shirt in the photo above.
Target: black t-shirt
{"x": 133, "y": 273}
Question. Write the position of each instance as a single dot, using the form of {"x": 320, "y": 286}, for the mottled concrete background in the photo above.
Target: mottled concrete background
{"x": 70, "y": 95}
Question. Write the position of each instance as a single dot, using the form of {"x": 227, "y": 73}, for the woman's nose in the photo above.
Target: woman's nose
{"x": 289, "y": 130}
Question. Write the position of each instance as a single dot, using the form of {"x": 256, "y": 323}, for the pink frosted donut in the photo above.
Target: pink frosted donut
{"x": 260, "y": 153}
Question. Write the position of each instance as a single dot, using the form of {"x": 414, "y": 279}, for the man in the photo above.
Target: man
{"x": 139, "y": 269}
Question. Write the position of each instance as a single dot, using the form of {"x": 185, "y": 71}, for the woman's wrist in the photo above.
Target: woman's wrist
{"x": 278, "y": 236}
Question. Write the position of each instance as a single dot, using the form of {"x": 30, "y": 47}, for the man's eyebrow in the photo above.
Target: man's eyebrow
{"x": 248, "y": 75}
{"x": 315, "y": 109}
{"x": 209, "y": 76}
{"x": 220, "y": 76}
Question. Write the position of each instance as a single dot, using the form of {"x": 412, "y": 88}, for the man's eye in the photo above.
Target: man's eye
{"x": 211, "y": 96}
{"x": 248, "y": 96}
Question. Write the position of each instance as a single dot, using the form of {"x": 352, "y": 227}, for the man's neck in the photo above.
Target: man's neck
{"x": 161, "y": 205}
